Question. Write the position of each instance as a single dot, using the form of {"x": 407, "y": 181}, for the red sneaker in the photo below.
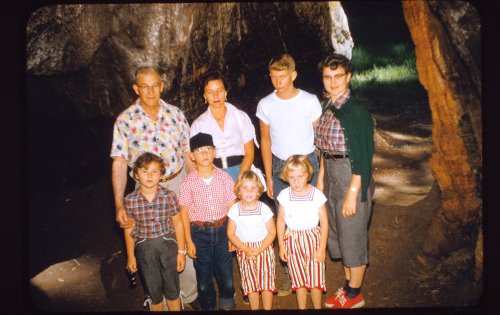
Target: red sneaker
{"x": 332, "y": 301}
{"x": 346, "y": 302}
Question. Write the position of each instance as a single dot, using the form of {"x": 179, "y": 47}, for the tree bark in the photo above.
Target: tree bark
{"x": 454, "y": 99}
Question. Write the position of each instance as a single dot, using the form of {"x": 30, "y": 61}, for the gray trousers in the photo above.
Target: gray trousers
{"x": 157, "y": 260}
{"x": 347, "y": 237}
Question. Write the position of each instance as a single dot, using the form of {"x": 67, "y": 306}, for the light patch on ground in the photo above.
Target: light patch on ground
{"x": 402, "y": 176}
{"x": 78, "y": 277}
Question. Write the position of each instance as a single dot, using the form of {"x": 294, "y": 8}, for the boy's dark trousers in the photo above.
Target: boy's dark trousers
{"x": 213, "y": 258}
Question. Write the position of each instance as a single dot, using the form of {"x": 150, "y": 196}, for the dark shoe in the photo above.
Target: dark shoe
{"x": 244, "y": 297}
{"x": 195, "y": 305}
{"x": 227, "y": 304}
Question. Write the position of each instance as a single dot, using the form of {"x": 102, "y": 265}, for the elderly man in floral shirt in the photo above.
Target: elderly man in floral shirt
{"x": 152, "y": 125}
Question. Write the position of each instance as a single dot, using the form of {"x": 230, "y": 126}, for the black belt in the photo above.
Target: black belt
{"x": 231, "y": 161}
{"x": 328, "y": 156}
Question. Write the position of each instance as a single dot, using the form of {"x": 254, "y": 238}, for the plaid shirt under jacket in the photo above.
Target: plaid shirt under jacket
{"x": 329, "y": 135}
{"x": 152, "y": 219}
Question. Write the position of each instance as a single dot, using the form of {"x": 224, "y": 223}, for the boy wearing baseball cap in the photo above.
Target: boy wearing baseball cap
{"x": 205, "y": 197}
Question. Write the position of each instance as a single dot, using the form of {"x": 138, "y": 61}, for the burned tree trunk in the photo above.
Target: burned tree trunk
{"x": 84, "y": 56}
{"x": 81, "y": 60}
{"x": 447, "y": 39}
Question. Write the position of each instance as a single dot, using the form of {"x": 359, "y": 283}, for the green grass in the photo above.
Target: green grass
{"x": 386, "y": 74}
{"x": 366, "y": 56}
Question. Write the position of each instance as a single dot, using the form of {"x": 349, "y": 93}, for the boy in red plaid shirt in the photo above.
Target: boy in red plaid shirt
{"x": 205, "y": 197}
{"x": 157, "y": 238}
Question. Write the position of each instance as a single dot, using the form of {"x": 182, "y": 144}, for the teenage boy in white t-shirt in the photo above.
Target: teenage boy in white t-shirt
{"x": 287, "y": 119}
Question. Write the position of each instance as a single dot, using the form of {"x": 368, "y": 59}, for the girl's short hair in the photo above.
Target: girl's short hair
{"x": 147, "y": 158}
{"x": 248, "y": 175}
{"x": 294, "y": 162}
{"x": 333, "y": 61}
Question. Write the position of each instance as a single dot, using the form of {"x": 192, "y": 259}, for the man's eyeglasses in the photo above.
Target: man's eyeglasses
{"x": 204, "y": 149}
{"x": 334, "y": 77}
{"x": 144, "y": 87}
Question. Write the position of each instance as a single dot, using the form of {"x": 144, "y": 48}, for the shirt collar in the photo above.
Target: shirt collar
{"x": 341, "y": 99}
{"x": 160, "y": 111}
{"x": 161, "y": 191}
{"x": 227, "y": 110}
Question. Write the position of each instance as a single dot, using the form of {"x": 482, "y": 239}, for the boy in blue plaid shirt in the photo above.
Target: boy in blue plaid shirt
{"x": 155, "y": 244}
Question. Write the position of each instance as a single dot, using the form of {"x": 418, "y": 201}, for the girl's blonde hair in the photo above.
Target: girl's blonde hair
{"x": 295, "y": 162}
{"x": 248, "y": 175}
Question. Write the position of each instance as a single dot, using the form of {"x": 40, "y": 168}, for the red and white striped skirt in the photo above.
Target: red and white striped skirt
{"x": 300, "y": 246}
{"x": 259, "y": 274}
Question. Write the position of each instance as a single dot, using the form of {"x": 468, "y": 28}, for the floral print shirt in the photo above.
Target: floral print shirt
{"x": 135, "y": 133}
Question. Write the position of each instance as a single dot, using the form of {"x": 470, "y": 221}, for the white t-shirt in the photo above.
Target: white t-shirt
{"x": 290, "y": 122}
{"x": 250, "y": 224}
{"x": 301, "y": 212}
{"x": 238, "y": 130}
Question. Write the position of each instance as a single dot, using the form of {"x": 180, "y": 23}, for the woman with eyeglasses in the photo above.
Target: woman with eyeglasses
{"x": 344, "y": 136}
{"x": 231, "y": 129}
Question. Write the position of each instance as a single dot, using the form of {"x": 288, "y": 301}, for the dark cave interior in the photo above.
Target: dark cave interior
{"x": 68, "y": 140}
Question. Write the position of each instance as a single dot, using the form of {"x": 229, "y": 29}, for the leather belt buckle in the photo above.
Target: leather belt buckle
{"x": 328, "y": 156}
{"x": 172, "y": 176}
{"x": 211, "y": 224}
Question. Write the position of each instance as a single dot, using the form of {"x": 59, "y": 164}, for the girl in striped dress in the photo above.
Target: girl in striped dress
{"x": 252, "y": 231}
{"x": 302, "y": 227}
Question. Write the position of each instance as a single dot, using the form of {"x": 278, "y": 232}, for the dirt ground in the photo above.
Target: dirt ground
{"x": 77, "y": 255}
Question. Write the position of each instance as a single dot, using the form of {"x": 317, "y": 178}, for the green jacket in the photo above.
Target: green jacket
{"x": 357, "y": 124}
